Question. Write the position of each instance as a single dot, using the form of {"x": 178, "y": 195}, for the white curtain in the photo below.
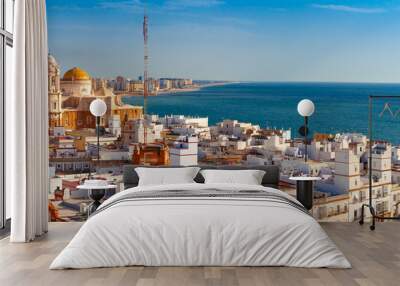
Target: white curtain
{"x": 27, "y": 124}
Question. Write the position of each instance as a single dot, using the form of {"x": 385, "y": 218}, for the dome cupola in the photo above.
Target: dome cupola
{"x": 76, "y": 74}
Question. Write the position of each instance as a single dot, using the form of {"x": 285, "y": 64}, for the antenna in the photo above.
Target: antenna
{"x": 145, "y": 73}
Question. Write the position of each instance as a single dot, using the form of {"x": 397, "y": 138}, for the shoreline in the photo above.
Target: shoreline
{"x": 182, "y": 90}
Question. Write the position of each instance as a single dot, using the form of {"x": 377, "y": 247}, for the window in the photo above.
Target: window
{"x": 6, "y": 43}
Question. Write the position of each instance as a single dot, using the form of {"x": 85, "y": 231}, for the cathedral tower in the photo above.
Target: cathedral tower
{"x": 55, "y": 111}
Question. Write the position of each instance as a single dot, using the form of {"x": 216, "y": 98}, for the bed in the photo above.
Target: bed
{"x": 197, "y": 224}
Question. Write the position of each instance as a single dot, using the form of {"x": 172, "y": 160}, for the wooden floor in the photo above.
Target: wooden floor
{"x": 375, "y": 257}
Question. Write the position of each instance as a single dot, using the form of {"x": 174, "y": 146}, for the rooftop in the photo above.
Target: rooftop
{"x": 76, "y": 73}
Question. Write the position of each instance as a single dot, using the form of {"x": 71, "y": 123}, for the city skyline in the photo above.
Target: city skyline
{"x": 236, "y": 40}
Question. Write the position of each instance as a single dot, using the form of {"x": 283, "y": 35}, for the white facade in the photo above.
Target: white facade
{"x": 237, "y": 145}
{"x": 114, "y": 155}
{"x": 135, "y": 131}
{"x": 181, "y": 120}
{"x": 76, "y": 87}
{"x": 321, "y": 151}
{"x": 114, "y": 125}
{"x": 165, "y": 83}
{"x": 396, "y": 155}
{"x": 184, "y": 151}
{"x": 201, "y": 132}
{"x": 396, "y": 176}
{"x": 381, "y": 163}
{"x": 236, "y": 128}
{"x": 293, "y": 152}
{"x": 347, "y": 170}
{"x": 298, "y": 166}
{"x": 276, "y": 143}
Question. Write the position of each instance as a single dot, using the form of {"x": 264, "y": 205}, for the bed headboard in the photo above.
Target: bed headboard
{"x": 271, "y": 178}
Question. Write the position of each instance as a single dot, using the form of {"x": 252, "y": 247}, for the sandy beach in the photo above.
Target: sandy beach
{"x": 182, "y": 90}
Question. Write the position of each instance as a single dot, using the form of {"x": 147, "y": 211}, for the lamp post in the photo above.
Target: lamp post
{"x": 98, "y": 108}
{"x": 305, "y": 108}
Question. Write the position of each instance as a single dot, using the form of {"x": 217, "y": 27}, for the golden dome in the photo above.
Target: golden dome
{"x": 76, "y": 74}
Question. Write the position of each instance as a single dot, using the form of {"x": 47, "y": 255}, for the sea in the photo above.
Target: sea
{"x": 339, "y": 107}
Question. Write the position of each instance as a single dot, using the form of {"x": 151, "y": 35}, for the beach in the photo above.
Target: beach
{"x": 193, "y": 88}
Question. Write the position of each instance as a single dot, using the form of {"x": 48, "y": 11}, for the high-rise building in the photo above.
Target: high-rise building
{"x": 135, "y": 86}
{"x": 121, "y": 84}
{"x": 165, "y": 83}
{"x": 98, "y": 83}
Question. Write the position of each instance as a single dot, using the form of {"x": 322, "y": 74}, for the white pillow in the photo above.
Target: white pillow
{"x": 248, "y": 177}
{"x": 166, "y": 176}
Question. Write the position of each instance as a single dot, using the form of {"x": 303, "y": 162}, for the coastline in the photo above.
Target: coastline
{"x": 274, "y": 105}
{"x": 183, "y": 90}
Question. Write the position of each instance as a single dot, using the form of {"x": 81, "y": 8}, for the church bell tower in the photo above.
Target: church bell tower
{"x": 55, "y": 110}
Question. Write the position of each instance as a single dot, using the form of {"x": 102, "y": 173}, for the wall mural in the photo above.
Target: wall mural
{"x": 207, "y": 93}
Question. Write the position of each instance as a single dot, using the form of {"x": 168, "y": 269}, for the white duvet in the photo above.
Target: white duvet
{"x": 202, "y": 232}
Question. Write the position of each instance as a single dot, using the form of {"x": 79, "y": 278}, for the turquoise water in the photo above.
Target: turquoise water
{"x": 339, "y": 107}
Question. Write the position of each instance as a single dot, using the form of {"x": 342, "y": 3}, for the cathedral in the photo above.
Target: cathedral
{"x": 71, "y": 95}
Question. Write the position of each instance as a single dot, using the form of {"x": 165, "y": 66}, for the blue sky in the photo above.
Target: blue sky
{"x": 345, "y": 41}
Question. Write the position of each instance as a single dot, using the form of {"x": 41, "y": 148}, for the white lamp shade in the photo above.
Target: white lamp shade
{"x": 305, "y": 107}
{"x": 98, "y": 107}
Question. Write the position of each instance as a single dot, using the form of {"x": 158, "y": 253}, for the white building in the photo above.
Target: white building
{"x": 299, "y": 166}
{"x": 236, "y": 128}
{"x": 114, "y": 125}
{"x": 70, "y": 165}
{"x": 348, "y": 180}
{"x": 381, "y": 163}
{"x": 277, "y": 144}
{"x": 136, "y": 130}
{"x": 171, "y": 121}
{"x": 165, "y": 83}
{"x": 321, "y": 151}
{"x": 107, "y": 154}
{"x": 184, "y": 151}
{"x": 236, "y": 145}
{"x": 347, "y": 171}
{"x": 396, "y": 155}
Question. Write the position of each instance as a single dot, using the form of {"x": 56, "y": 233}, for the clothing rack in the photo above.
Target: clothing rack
{"x": 370, "y": 135}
